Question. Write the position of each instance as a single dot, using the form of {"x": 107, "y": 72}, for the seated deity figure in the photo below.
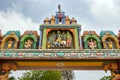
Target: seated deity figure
{"x": 92, "y": 44}
{"x": 28, "y": 44}
{"x": 110, "y": 44}
{"x": 58, "y": 39}
{"x": 10, "y": 43}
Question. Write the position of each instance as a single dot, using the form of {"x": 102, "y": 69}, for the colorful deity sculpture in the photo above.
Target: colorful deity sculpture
{"x": 29, "y": 40}
{"x": 119, "y": 36}
{"x": 28, "y": 44}
{"x": 91, "y": 40}
{"x": 68, "y": 39}
{"x": 10, "y": 43}
{"x": 63, "y": 41}
{"x": 110, "y": 44}
{"x": 57, "y": 39}
{"x": 92, "y": 44}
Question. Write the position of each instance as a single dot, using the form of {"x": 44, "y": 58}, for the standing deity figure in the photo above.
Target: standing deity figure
{"x": 0, "y": 42}
{"x": 48, "y": 42}
{"x": 28, "y": 44}
{"x": 10, "y": 43}
{"x": 110, "y": 44}
{"x": 119, "y": 37}
{"x": 68, "y": 39}
{"x": 92, "y": 44}
{"x": 63, "y": 40}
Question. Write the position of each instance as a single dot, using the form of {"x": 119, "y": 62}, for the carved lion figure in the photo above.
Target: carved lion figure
{"x": 110, "y": 66}
{"x": 7, "y": 66}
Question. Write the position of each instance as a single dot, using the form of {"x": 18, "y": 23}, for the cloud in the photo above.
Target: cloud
{"x": 13, "y": 20}
{"x": 105, "y": 11}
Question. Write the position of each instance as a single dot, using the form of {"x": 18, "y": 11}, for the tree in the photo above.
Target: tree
{"x": 106, "y": 78}
{"x": 41, "y": 75}
{"x": 12, "y": 78}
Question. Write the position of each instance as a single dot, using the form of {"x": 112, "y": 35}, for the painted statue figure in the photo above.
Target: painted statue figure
{"x": 92, "y": 44}
{"x": 7, "y": 67}
{"x": 110, "y": 44}
{"x": 57, "y": 39}
{"x": 110, "y": 66}
{"x": 119, "y": 37}
{"x": 48, "y": 43}
{"x": 63, "y": 41}
{"x": 10, "y": 43}
{"x": 28, "y": 44}
{"x": 68, "y": 39}
{"x": 0, "y": 42}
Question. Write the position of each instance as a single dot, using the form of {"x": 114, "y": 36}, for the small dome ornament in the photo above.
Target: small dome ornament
{"x": 46, "y": 21}
{"x": 52, "y": 20}
{"x": 67, "y": 20}
{"x": 119, "y": 33}
{"x": 73, "y": 21}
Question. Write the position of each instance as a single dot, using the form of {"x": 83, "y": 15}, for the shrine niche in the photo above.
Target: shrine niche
{"x": 119, "y": 37}
{"x": 109, "y": 40}
{"x": 60, "y": 39}
{"x": 91, "y": 40}
{"x": 10, "y": 40}
{"x": 29, "y": 40}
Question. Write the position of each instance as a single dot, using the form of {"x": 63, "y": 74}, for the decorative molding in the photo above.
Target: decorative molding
{"x": 56, "y": 54}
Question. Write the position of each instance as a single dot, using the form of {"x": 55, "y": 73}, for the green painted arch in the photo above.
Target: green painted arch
{"x": 86, "y": 38}
{"x": 24, "y": 38}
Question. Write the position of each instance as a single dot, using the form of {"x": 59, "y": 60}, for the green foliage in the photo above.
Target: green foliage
{"x": 106, "y": 78}
{"x": 41, "y": 75}
{"x": 12, "y": 78}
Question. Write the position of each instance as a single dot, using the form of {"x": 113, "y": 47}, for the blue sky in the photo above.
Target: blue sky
{"x": 91, "y": 14}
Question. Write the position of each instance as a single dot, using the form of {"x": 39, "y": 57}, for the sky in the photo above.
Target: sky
{"x": 91, "y": 14}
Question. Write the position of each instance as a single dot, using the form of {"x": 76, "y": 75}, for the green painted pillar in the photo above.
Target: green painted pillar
{"x": 76, "y": 39}
{"x": 44, "y": 39}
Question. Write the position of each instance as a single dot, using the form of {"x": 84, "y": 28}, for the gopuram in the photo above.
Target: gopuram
{"x": 60, "y": 46}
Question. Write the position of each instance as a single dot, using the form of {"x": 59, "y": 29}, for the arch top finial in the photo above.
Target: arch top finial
{"x": 59, "y": 7}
